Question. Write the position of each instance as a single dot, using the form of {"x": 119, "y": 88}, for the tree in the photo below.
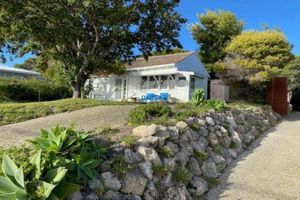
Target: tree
{"x": 88, "y": 36}
{"x": 29, "y": 64}
{"x": 292, "y": 71}
{"x": 213, "y": 33}
{"x": 256, "y": 57}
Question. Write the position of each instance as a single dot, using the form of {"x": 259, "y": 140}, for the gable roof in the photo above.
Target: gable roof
{"x": 158, "y": 60}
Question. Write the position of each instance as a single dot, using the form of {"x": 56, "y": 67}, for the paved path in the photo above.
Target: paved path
{"x": 269, "y": 170}
{"x": 87, "y": 119}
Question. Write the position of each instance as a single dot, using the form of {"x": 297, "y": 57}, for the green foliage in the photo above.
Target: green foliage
{"x": 292, "y": 71}
{"x": 169, "y": 51}
{"x": 160, "y": 170}
{"x": 181, "y": 175}
{"x": 256, "y": 57}
{"x": 129, "y": 140}
{"x": 212, "y": 182}
{"x": 148, "y": 112}
{"x": 216, "y": 104}
{"x": 73, "y": 150}
{"x": 198, "y": 97}
{"x": 29, "y": 64}
{"x": 119, "y": 166}
{"x": 88, "y": 36}
{"x": 12, "y": 184}
{"x": 195, "y": 126}
{"x": 201, "y": 156}
{"x": 31, "y": 90}
{"x": 60, "y": 161}
{"x": 214, "y": 31}
{"x": 165, "y": 151}
{"x": 41, "y": 183}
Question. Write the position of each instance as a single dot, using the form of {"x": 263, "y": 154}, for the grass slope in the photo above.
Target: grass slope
{"x": 17, "y": 112}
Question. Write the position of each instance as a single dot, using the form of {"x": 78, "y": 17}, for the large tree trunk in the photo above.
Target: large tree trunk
{"x": 76, "y": 90}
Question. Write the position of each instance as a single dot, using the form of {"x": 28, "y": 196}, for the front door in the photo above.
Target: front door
{"x": 118, "y": 89}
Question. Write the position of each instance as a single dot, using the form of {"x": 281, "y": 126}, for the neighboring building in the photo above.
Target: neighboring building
{"x": 11, "y": 72}
{"x": 175, "y": 74}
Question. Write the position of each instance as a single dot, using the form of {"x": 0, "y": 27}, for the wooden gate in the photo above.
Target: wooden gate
{"x": 277, "y": 95}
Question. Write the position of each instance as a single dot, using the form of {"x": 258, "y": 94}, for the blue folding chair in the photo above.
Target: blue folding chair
{"x": 164, "y": 96}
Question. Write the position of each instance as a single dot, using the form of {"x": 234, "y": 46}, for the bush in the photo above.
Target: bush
{"x": 31, "y": 90}
{"x": 144, "y": 114}
{"x": 61, "y": 161}
{"x": 216, "y": 104}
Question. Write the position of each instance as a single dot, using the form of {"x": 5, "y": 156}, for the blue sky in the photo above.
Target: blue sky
{"x": 284, "y": 14}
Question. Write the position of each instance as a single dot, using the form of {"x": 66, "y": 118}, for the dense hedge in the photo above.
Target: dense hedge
{"x": 31, "y": 90}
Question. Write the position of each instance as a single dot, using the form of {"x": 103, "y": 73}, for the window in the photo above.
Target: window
{"x": 163, "y": 82}
{"x": 144, "y": 83}
{"x": 153, "y": 82}
{"x": 193, "y": 84}
{"x": 172, "y": 81}
{"x": 181, "y": 81}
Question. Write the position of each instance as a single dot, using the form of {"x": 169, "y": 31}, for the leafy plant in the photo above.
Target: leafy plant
{"x": 198, "y": 97}
{"x": 181, "y": 175}
{"x": 73, "y": 150}
{"x": 216, "y": 104}
{"x": 42, "y": 184}
{"x": 12, "y": 185}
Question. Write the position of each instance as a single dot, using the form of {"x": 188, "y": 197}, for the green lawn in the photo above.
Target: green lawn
{"x": 17, "y": 112}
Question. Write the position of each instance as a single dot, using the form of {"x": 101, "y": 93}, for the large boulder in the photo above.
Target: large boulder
{"x": 149, "y": 154}
{"x": 110, "y": 181}
{"x": 209, "y": 169}
{"x": 198, "y": 186}
{"x": 134, "y": 183}
{"x": 145, "y": 130}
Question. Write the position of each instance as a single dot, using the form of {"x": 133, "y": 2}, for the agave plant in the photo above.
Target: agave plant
{"x": 41, "y": 185}
{"x": 198, "y": 97}
{"x": 12, "y": 184}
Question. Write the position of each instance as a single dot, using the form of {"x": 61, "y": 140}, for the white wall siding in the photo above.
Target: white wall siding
{"x": 104, "y": 88}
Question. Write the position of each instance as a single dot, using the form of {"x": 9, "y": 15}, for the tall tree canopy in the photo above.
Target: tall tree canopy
{"x": 213, "y": 33}
{"x": 256, "y": 57}
{"x": 88, "y": 36}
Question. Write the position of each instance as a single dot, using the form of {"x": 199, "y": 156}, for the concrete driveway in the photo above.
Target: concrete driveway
{"x": 269, "y": 170}
{"x": 88, "y": 119}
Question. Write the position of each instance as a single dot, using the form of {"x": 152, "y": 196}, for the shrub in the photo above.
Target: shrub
{"x": 198, "y": 97}
{"x": 216, "y": 104}
{"x": 31, "y": 90}
{"x": 61, "y": 160}
{"x": 148, "y": 112}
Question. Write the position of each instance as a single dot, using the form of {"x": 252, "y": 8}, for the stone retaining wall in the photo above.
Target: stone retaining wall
{"x": 179, "y": 162}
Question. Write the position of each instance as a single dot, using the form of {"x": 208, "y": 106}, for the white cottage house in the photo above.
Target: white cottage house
{"x": 175, "y": 74}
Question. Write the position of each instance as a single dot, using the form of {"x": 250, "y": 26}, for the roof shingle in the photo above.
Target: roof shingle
{"x": 158, "y": 60}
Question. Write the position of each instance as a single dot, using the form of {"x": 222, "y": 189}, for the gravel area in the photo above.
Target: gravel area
{"x": 89, "y": 119}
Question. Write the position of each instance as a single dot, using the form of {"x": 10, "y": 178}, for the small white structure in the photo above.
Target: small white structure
{"x": 175, "y": 74}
